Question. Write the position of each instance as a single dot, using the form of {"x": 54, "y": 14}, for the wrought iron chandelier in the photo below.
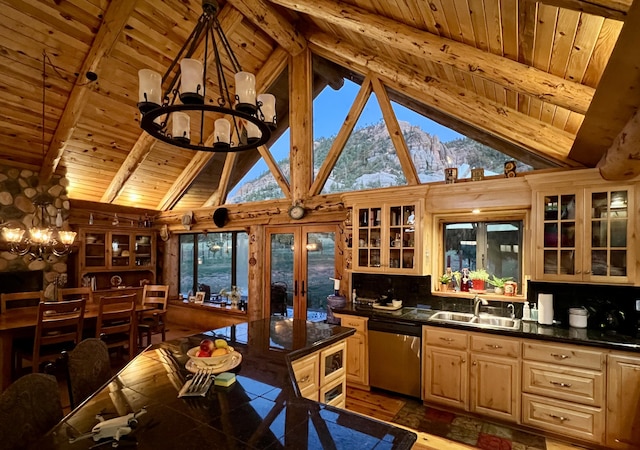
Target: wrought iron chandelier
{"x": 242, "y": 121}
{"x": 42, "y": 238}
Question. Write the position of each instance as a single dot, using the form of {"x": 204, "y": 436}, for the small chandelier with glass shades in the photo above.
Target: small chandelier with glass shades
{"x": 241, "y": 122}
{"x": 41, "y": 238}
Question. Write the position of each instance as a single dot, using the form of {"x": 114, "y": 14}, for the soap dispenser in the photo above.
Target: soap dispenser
{"x": 526, "y": 312}
{"x": 534, "y": 313}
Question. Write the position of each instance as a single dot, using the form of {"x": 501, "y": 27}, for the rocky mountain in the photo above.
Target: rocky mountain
{"x": 369, "y": 161}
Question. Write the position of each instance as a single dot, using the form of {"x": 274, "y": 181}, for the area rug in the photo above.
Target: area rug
{"x": 465, "y": 429}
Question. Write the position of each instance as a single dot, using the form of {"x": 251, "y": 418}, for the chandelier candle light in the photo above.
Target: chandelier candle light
{"x": 242, "y": 122}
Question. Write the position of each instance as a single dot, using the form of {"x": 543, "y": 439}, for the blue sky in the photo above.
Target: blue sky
{"x": 330, "y": 108}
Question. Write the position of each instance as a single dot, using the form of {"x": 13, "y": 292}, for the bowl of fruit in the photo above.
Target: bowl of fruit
{"x": 211, "y": 353}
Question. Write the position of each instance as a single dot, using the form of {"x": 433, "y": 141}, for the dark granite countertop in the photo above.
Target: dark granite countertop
{"x": 260, "y": 411}
{"x": 529, "y": 330}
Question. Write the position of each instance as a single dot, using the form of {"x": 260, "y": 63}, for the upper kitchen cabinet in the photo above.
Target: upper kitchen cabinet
{"x": 387, "y": 237}
{"x": 585, "y": 234}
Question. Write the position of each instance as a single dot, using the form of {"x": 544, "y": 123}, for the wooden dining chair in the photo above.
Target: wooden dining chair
{"x": 153, "y": 321}
{"x": 59, "y": 328}
{"x": 117, "y": 324}
{"x": 20, "y": 300}
{"x": 88, "y": 368}
{"x": 75, "y": 293}
{"x": 28, "y": 409}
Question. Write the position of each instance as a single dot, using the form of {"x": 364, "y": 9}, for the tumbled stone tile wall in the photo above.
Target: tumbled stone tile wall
{"x": 18, "y": 187}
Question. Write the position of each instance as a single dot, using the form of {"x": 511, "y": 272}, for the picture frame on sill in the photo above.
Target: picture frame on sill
{"x": 199, "y": 297}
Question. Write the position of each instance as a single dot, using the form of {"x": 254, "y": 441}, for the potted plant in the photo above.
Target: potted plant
{"x": 449, "y": 280}
{"x": 498, "y": 283}
{"x": 478, "y": 277}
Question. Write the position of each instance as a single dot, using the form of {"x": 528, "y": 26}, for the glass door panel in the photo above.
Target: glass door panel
{"x": 120, "y": 250}
{"x": 559, "y": 234}
{"x": 608, "y": 228}
{"x": 94, "y": 254}
{"x": 320, "y": 262}
{"x": 281, "y": 275}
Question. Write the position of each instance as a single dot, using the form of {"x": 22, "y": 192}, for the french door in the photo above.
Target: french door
{"x": 301, "y": 260}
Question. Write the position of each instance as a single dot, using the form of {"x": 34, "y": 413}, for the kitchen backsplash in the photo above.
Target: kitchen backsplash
{"x": 411, "y": 289}
{"x": 611, "y": 308}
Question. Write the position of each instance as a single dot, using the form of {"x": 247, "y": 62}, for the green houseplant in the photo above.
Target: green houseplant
{"x": 447, "y": 281}
{"x": 498, "y": 283}
{"x": 479, "y": 277}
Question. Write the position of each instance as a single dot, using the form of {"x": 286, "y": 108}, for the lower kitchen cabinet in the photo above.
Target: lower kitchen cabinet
{"x": 321, "y": 376}
{"x": 494, "y": 384}
{"x": 357, "y": 351}
{"x": 563, "y": 389}
{"x": 445, "y": 367}
{"x": 623, "y": 401}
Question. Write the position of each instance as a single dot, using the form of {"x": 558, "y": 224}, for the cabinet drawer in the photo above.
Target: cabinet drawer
{"x": 564, "y": 355}
{"x": 306, "y": 373}
{"x": 444, "y": 338}
{"x": 568, "y": 419}
{"x": 334, "y": 393}
{"x": 332, "y": 363}
{"x": 565, "y": 383}
{"x": 358, "y": 323}
{"x": 495, "y": 345}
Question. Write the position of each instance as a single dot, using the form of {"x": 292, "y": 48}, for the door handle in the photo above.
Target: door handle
{"x": 295, "y": 288}
{"x": 302, "y": 292}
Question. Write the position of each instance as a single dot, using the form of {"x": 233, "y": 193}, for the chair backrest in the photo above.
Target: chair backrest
{"x": 75, "y": 293}
{"x": 58, "y": 323}
{"x": 28, "y": 409}
{"x": 88, "y": 369}
{"x": 116, "y": 323}
{"x": 155, "y": 295}
{"x": 20, "y": 300}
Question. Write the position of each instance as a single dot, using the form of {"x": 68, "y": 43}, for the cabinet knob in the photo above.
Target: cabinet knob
{"x": 475, "y": 363}
{"x": 304, "y": 379}
{"x": 560, "y": 418}
{"x": 495, "y": 346}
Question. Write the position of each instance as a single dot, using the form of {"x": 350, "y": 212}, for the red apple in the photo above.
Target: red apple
{"x": 207, "y": 345}
{"x": 203, "y": 353}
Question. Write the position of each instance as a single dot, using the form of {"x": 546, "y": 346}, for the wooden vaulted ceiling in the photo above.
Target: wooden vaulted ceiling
{"x": 552, "y": 82}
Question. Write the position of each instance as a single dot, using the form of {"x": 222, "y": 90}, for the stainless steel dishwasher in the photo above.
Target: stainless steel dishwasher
{"x": 394, "y": 356}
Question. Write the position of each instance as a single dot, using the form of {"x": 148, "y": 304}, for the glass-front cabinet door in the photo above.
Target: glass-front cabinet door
{"x": 120, "y": 246}
{"x": 608, "y": 235}
{"x": 385, "y": 238}
{"x": 585, "y": 235}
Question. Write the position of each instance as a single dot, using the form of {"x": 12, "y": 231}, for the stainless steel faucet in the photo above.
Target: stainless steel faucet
{"x": 476, "y": 305}
{"x": 512, "y": 310}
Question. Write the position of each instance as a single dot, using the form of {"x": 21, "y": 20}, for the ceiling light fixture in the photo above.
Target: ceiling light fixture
{"x": 42, "y": 238}
{"x": 242, "y": 121}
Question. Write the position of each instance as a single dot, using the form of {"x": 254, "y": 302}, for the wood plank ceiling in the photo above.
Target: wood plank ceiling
{"x": 534, "y": 67}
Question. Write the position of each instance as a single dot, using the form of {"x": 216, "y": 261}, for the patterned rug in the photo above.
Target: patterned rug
{"x": 465, "y": 429}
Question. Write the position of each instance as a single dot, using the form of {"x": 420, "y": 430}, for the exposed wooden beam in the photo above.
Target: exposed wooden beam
{"x": 622, "y": 160}
{"x": 341, "y": 138}
{"x": 300, "y": 102}
{"x": 272, "y": 68}
{"x": 538, "y": 137}
{"x": 219, "y": 196}
{"x": 273, "y": 23}
{"x": 275, "y": 170}
{"x": 115, "y": 18}
{"x": 505, "y": 72}
{"x": 395, "y": 133}
{"x": 610, "y": 9}
{"x": 614, "y": 105}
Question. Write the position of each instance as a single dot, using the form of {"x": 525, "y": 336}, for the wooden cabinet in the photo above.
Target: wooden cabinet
{"x": 386, "y": 237}
{"x": 472, "y": 371}
{"x": 321, "y": 376}
{"x": 129, "y": 254}
{"x": 585, "y": 234}
{"x": 563, "y": 390}
{"x": 494, "y": 382}
{"x": 357, "y": 351}
{"x": 445, "y": 368}
{"x": 623, "y": 401}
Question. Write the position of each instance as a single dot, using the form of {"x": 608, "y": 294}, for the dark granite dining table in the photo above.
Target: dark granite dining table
{"x": 261, "y": 410}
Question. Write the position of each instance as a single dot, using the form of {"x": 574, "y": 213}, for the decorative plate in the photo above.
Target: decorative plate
{"x": 116, "y": 280}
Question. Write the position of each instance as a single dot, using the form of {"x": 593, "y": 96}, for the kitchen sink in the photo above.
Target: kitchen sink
{"x": 482, "y": 321}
